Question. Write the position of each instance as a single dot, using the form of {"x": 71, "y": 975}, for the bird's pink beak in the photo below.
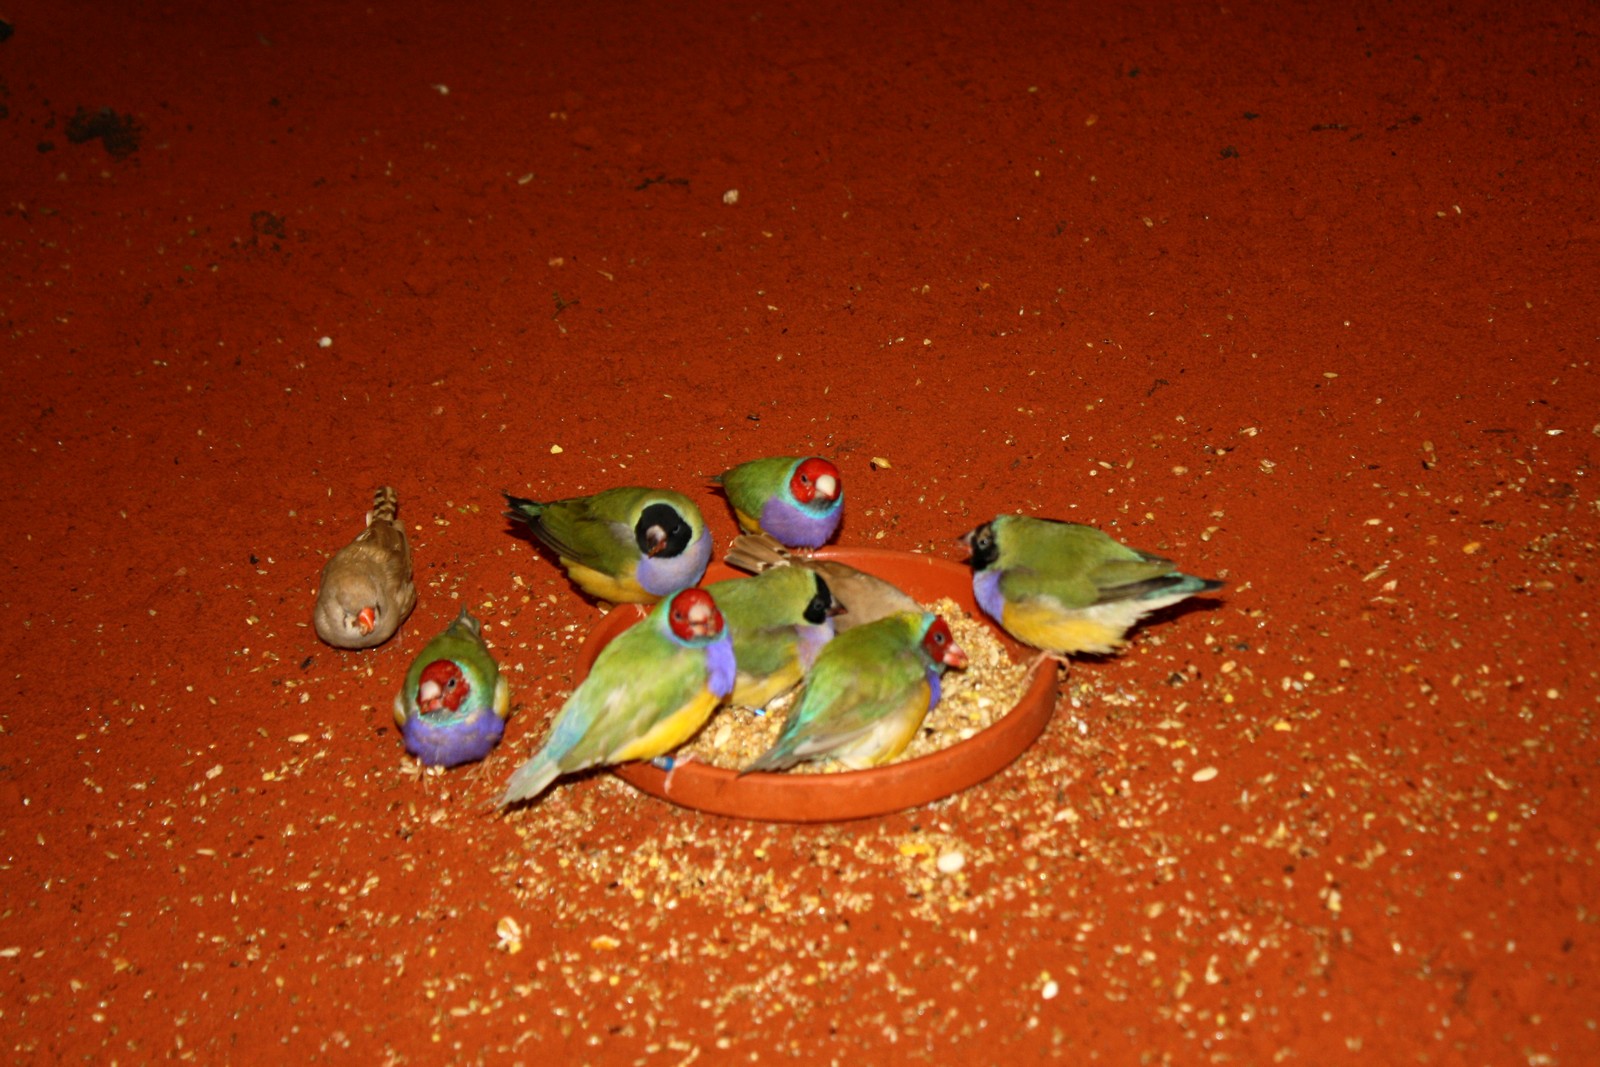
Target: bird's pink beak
{"x": 429, "y": 697}
{"x": 366, "y": 619}
{"x": 703, "y": 620}
{"x": 827, "y": 487}
{"x": 955, "y": 656}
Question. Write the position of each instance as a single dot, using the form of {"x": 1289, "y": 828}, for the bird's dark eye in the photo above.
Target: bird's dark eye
{"x": 452, "y": 683}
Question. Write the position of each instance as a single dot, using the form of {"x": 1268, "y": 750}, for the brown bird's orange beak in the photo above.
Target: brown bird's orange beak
{"x": 367, "y": 619}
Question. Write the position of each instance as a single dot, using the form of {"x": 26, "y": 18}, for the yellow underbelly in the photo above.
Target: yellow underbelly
{"x": 1046, "y": 627}
{"x": 670, "y": 732}
{"x": 751, "y": 692}
{"x": 746, "y": 523}
{"x": 605, "y": 587}
{"x": 890, "y": 737}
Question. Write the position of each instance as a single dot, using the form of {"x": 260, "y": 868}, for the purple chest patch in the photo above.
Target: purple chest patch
{"x": 663, "y": 576}
{"x": 809, "y": 642}
{"x": 799, "y": 527}
{"x": 720, "y": 666}
{"x": 934, "y": 687}
{"x": 445, "y": 741}
{"x": 986, "y": 588}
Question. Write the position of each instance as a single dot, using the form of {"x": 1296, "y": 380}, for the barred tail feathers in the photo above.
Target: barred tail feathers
{"x": 756, "y": 553}
{"x": 385, "y": 505}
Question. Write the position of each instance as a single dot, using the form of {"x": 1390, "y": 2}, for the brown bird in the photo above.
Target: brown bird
{"x": 366, "y": 587}
{"x": 864, "y": 597}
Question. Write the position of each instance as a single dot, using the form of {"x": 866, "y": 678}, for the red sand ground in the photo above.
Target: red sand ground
{"x": 1304, "y": 298}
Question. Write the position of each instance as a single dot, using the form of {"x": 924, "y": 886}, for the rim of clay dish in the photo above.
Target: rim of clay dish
{"x": 843, "y": 795}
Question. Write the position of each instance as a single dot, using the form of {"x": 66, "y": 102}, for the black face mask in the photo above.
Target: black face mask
{"x": 661, "y": 531}
{"x": 821, "y": 605}
{"x": 984, "y": 549}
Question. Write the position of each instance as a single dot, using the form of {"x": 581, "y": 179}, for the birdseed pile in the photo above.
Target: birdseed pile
{"x": 972, "y": 700}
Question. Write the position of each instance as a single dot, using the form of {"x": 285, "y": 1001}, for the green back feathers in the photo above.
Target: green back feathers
{"x": 759, "y": 476}
{"x": 1077, "y": 566}
{"x": 864, "y": 698}
{"x": 749, "y": 485}
{"x": 762, "y": 612}
{"x": 862, "y": 672}
{"x": 462, "y": 642}
{"x": 643, "y": 675}
{"x": 598, "y": 530}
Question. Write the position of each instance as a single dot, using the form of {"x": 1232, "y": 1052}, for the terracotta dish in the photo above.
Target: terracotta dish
{"x": 852, "y": 794}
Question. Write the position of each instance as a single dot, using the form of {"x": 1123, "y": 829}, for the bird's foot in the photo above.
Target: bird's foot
{"x": 1040, "y": 659}
{"x": 482, "y": 769}
{"x": 670, "y": 764}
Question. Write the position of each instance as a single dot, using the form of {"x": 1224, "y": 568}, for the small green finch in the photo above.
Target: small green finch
{"x": 626, "y": 545}
{"x": 797, "y": 499}
{"x": 1065, "y": 588}
{"x": 650, "y": 690}
{"x": 452, "y": 708}
{"x": 867, "y": 694}
{"x": 780, "y": 620}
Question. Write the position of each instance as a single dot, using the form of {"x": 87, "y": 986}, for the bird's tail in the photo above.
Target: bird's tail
{"x": 530, "y": 779}
{"x": 756, "y": 552}
{"x": 1192, "y": 586}
{"x": 1133, "y": 580}
{"x": 385, "y": 505}
{"x": 1170, "y": 588}
{"x": 469, "y": 622}
{"x": 779, "y": 757}
{"x": 522, "y": 509}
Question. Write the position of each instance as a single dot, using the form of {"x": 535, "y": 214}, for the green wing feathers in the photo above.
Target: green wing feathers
{"x": 638, "y": 680}
{"x": 1080, "y": 566}
{"x": 862, "y": 677}
{"x": 756, "y": 479}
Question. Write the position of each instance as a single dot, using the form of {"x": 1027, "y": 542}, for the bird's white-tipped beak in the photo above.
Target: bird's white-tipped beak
{"x": 702, "y": 620}
{"x": 828, "y": 486}
{"x": 429, "y": 696}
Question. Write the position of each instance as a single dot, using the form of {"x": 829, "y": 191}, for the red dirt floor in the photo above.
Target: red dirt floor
{"x": 1301, "y": 296}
